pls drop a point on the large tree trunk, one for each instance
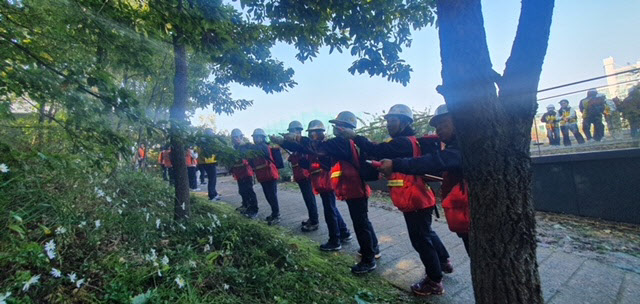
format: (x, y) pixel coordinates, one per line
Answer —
(178, 122)
(494, 134)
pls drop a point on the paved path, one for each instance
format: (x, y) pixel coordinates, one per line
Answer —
(566, 277)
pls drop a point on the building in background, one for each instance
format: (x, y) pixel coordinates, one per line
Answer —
(619, 85)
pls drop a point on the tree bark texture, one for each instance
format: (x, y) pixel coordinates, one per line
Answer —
(494, 133)
(177, 116)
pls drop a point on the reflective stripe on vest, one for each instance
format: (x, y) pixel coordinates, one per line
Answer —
(395, 183)
(336, 174)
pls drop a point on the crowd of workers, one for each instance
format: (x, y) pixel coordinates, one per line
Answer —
(338, 168)
(593, 108)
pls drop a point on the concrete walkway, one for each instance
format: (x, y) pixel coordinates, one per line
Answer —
(566, 277)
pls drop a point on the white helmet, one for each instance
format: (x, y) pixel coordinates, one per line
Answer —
(441, 110)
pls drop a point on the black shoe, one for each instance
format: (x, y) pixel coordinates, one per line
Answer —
(309, 227)
(377, 253)
(330, 246)
(346, 238)
(273, 219)
(305, 222)
(364, 267)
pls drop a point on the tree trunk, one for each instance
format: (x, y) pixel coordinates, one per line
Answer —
(494, 134)
(178, 122)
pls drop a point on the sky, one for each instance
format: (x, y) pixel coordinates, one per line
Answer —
(583, 33)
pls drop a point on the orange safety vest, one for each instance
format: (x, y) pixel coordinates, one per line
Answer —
(166, 158)
(320, 178)
(457, 209)
(265, 170)
(299, 173)
(191, 161)
(241, 170)
(346, 180)
(410, 192)
(141, 152)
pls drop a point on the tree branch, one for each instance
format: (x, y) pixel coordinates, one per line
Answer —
(522, 70)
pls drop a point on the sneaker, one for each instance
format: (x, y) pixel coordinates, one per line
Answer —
(347, 238)
(273, 219)
(364, 267)
(251, 215)
(377, 255)
(305, 222)
(309, 227)
(447, 267)
(427, 287)
(203, 183)
(217, 197)
(330, 246)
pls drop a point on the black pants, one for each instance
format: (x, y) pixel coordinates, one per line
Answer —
(465, 240)
(249, 199)
(309, 200)
(426, 242)
(270, 190)
(203, 172)
(165, 172)
(598, 126)
(335, 224)
(566, 139)
(210, 170)
(358, 210)
(172, 176)
(193, 182)
(634, 127)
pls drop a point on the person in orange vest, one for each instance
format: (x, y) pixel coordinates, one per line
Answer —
(161, 156)
(208, 165)
(166, 161)
(348, 185)
(192, 163)
(319, 168)
(141, 156)
(411, 195)
(243, 174)
(266, 173)
(302, 176)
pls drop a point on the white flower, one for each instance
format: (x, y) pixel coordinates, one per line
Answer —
(182, 226)
(105, 180)
(109, 200)
(165, 260)
(4, 168)
(157, 223)
(153, 256)
(147, 216)
(226, 286)
(183, 207)
(32, 281)
(224, 216)
(79, 283)
(56, 273)
(99, 192)
(4, 297)
(180, 281)
(210, 240)
(61, 230)
(72, 277)
(161, 203)
(50, 248)
(159, 273)
(192, 263)
(82, 224)
(98, 224)
(119, 211)
(206, 247)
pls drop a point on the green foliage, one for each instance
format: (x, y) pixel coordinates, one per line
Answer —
(374, 126)
(220, 256)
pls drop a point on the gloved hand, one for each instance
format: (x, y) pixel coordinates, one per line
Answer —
(387, 167)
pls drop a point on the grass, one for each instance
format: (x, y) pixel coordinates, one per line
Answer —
(116, 233)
